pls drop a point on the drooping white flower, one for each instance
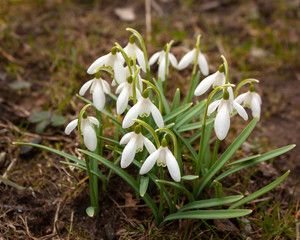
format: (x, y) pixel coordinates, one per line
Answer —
(190, 58)
(163, 157)
(135, 142)
(143, 108)
(216, 79)
(160, 57)
(132, 50)
(225, 109)
(98, 88)
(88, 132)
(252, 100)
(126, 93)
(114, 60)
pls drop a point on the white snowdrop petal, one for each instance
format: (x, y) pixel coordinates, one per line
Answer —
(125, 139)
(138, 94)
(212, 107)
(71, 126)
(241, 98)
(241, 111)
(94, 121)
(128, 153)
(89, 137)
(120, 73)
(149, 145)
(85, 87)
(173, 60)
(186, 60)
(256, 95)
(222, 122)
(141, 59)
(96, 64)
(98, 97)
(131, 114)
(162, 70)
(106, 87)
(122, 101)
(156, 116)
(203, 65)
(154, 58)
(255, 107)
(120, 87)
(173, 166)
(149, 162)
(204, 85)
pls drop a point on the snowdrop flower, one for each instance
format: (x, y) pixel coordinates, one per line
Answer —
(88, 132)
(163, 157)
(252, 100)
(215, 80)
(133, 50)
(112, 59)
(125, 91)
(143, 108)
(135, 141)
(98, 88)
(128, 74)
(190, 58)
(160, 57)
(225, 110)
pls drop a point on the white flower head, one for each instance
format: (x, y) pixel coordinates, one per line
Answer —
(134, 143)
(165, 158)
(126, 93)
(225, 110)
(190, 57)
(98, 87)
(114, 60)
(160, 57)
(216, 79)
(88, 132)
(143, 108)
(132, 50)
(252, 100)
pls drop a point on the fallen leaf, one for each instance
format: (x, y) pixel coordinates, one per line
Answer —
(125, 14)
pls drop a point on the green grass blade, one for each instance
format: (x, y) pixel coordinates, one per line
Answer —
(208, 214)
(130, 180)
(74, 165)
(176, 100)
(112, 141)
(261, 191)
(257, 159)
(192, 126)
(177, 112)
(144, 182)
(177, 186)
(60, 153)
(194, 83)
(10, 183)
(163, 98)
(214, 202)
(246, 159)
(185, 142)
(226, 155)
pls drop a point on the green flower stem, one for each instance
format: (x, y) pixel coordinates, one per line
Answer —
(174, 139)
(134, 84)
(189, 96)
(156, 91)
(226, 69)
(150, 129)
(242, 83)
(161, 198)
(167, 65)
(215, 152)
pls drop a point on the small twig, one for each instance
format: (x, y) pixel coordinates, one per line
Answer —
(71, 224)
(148, 20)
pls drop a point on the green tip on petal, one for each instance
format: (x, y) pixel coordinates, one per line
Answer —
(164, 142)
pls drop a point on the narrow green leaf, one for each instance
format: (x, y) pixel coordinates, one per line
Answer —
(130, 180)
(185, 142)
(109, 140)
(192, 126)
(218, 189)
(176, 100)
(189, 177)
(226, 155)
(60, 153)
(144, 182)
(214, 202)
(176, 112)
(193, 87)
(257, 159)
(261, 191)
(208, 214)
(74, 165)
(242, 160)
(163, 98)
(11, 183)
(178, 186)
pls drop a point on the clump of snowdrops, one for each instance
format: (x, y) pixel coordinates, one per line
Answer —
(172, 143)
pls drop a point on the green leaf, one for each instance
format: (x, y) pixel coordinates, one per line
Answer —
(144, 182)
(130, 180)
(74, 165)
(60, 153)
(177, 112)
(208, 214)
(226, 155)
(257, 159)
(90, 211)
(178, 186)
(40, 116)
(214, 202)
(117, 143)
(192, 126)
(242, 160)
(176, 100)
(58, 120)
(261, 191)
(185, 142)
(11, 183)
(40, 127)
(189, 177)
(163, 98)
